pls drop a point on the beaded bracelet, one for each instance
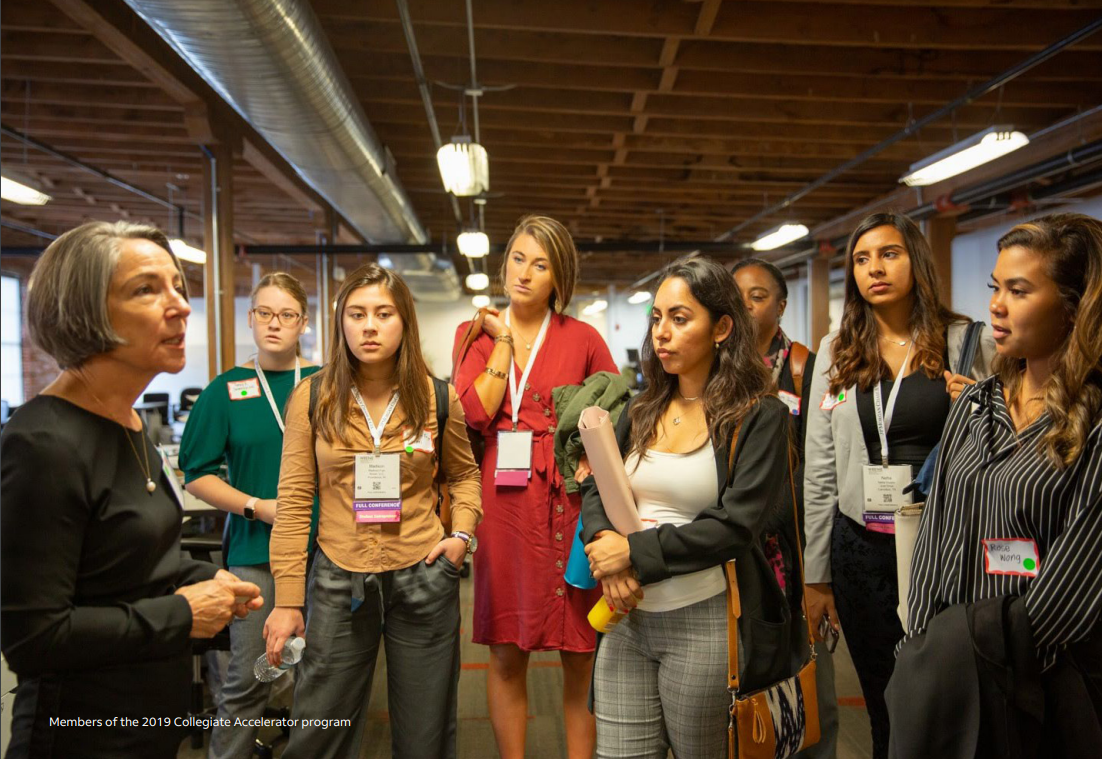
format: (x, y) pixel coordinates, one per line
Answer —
(504, 339)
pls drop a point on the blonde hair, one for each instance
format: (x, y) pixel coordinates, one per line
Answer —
(67, 314)
(1070, 244)
(556, 242)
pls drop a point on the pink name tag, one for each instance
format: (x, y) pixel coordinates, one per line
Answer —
(377, 512)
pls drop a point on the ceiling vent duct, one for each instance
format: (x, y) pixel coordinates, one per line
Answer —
(272, 62)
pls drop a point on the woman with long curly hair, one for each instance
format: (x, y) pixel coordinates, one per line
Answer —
(1015, 512)
(660, 679)
(880, 396)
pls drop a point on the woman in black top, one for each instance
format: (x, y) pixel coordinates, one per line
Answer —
(98, 605)
(1015, 509)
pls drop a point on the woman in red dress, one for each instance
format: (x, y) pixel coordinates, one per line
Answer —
(522, 604)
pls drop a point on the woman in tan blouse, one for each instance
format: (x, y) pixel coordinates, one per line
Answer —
(364, 431)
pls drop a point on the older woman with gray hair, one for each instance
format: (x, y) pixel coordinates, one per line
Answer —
(97, 605)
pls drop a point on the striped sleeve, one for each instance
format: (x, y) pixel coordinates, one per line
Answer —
(1064, 601)
(923, 600)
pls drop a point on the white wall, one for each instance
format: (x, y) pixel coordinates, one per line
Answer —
(974, 257)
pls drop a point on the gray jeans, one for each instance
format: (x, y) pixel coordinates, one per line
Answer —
(416, 611)
(242, 694)
(827, 747)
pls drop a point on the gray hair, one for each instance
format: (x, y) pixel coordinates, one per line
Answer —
(67, 312)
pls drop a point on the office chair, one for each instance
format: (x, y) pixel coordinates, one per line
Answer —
(188, 396)
(159, 398)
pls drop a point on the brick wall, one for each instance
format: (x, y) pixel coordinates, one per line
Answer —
(39, 369)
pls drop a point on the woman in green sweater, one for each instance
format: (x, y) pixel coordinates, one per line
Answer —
(238, 421)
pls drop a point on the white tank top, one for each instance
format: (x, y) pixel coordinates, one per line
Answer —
(672, 488)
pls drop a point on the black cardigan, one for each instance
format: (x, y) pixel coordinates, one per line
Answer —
(731, 529)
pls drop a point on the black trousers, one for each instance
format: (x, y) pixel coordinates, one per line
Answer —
(866, 592)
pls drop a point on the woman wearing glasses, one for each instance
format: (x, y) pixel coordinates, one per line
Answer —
(238, 421)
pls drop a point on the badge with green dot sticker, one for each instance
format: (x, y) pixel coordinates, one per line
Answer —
(1011, 556)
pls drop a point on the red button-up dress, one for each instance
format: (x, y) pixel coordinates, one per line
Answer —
(525, 535)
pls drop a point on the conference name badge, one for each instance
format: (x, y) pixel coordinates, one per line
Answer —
(422, 444)
(377, 497)
(791, 400)
(1011, 556)
(831, 400)
(514, 459)
(242, 390)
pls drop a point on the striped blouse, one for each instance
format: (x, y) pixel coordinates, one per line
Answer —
(992, 483)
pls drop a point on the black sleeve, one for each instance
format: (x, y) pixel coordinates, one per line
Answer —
(193, 571)
(45, 510)
(594, 519)
(729, 528)
(805, 404)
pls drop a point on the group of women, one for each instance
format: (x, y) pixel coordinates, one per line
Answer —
(334, 476)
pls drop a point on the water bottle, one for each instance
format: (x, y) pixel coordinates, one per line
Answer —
(292, 655)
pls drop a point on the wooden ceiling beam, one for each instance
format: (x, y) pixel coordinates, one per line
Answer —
(95, 95)
(101, 73)
(351, 39)
(757, 21)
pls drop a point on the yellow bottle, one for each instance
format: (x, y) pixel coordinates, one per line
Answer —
(603, 617)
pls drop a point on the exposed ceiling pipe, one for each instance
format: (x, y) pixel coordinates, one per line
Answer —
(27, 231)
(974, 94)
(426, 93)
(271, 61)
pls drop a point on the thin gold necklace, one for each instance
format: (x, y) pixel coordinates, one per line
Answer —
(150, 485)
(677, 419)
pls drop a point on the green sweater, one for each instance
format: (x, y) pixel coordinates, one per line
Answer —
(243, 434)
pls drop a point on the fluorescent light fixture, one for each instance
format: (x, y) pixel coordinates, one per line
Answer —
(185, 252)
(17, 192)
(385, 261)
(967, 154)
(473, 244)
(480, 301)
(595, 307)
(642, 296)
(478, 281)
(782, 235)
(464, 167)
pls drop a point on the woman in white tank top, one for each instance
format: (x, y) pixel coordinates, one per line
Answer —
(660, 678)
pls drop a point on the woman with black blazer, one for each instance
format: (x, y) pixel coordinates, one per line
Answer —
(660, 678)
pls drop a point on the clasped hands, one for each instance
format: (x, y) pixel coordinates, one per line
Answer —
(610, 562)
(214, 602)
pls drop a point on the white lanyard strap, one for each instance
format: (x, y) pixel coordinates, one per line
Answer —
(376, 432)
(515, 396)
(268, 390)
(884, 415)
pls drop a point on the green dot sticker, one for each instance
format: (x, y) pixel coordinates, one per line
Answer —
(409, 449)
(1029, 564)
(841, 396)
(244, 393)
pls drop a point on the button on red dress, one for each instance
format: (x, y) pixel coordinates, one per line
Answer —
(525, 535)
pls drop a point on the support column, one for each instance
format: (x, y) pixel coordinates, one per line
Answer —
(219, 244)
(940, 231)
(818, 293)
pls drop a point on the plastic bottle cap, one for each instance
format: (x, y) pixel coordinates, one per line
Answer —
(297, 644)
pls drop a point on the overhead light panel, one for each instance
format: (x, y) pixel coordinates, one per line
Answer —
(185, 252)
(478, 281)
(473, 244)
(595, 307)
(967, 154)
(642, 296)
(480, 301)
(17, 192)
(464, 167)
(782, 235)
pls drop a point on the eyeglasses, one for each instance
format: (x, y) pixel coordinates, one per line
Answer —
(286, 318)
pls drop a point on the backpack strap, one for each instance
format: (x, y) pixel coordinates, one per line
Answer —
(797, 359)
(969, 347)
(443, 407)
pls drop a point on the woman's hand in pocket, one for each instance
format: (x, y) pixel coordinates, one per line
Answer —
(453, 549)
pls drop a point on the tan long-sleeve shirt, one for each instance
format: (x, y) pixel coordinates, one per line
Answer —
(365, 547)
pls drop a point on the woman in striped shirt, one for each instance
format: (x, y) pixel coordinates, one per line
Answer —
(1016, 504)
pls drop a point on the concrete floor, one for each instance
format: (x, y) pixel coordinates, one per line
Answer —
(545, 730)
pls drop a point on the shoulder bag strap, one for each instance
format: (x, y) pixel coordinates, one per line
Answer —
(734, 608)
(474, 329)
(968, 347)
(440, 387)
(797, 358)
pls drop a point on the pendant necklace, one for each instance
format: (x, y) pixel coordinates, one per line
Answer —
(893, 340)
(150, 485)
(677, 419)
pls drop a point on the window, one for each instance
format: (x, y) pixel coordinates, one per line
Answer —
(11, 342)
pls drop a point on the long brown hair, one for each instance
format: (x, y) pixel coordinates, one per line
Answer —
(857, 359)
(1071, 246)
(559, 246)
(289, 284)
(738, 377)
(335, 391)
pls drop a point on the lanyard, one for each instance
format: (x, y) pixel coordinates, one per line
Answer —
(515, 397)
(268, 390)
(884, 415)
(376, 432)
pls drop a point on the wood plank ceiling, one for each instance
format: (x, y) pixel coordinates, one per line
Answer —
(625, 118)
